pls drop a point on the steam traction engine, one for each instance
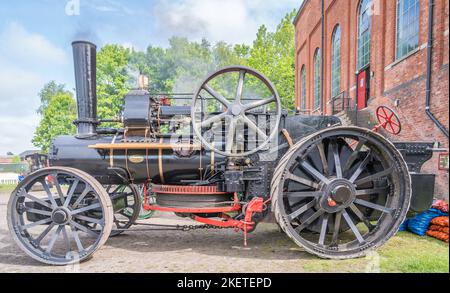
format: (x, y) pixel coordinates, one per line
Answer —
(227, 160)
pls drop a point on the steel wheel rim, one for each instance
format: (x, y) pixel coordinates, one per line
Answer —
(197, 127)
(322, 243)
(77, 247)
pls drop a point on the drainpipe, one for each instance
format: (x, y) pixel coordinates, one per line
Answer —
(429, 69)
(322, 59)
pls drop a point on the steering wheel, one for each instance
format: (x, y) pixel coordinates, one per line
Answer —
(237, 109)
(389, 120)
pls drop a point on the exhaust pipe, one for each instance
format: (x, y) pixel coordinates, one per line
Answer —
(85, 61)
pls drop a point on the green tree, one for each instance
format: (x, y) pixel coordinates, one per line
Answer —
(56, 120)
(49, 90)
(273, 53)
(112, 80)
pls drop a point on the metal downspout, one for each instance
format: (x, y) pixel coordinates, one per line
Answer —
(429, 69)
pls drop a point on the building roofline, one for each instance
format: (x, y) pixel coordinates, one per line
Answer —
(299, 12)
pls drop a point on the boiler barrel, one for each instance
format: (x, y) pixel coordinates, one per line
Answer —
(160, 166)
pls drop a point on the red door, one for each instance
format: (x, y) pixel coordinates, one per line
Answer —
(362, 90)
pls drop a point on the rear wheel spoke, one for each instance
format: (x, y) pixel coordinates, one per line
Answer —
(34, 224)
(85, 209)
(374, 206)
(337, 227)
(304, 194)
(302, 209)
(71, 192)
(84, 229)
(337, 160)
(374, 176)
(49, 193)
(323, 158)
(313, 171)
(361, 168)
(354, 154)
(360, 216)
(303, 181)
(352, 227)
(44, 233)
(323, 229)
(309, 221)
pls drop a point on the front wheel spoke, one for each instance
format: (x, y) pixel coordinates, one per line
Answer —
(254, 105)
(74, 233)
(304, 194)
(90, 219)
(361, 168)
(58, 187)
(309, 221)
(323, 229)
(374, 176)
(71, 192)
(84, 229)
(88, 208)
(254, 127)
(41, 222)
(303, 181)
(49, 193)
(39, 212)
(374, 206)
(302, 209)
(44, 233)
(212, 120)
(361, 216)
(37, 200)
(313, 171)
(66, 239)
(53, 239)
(337, 227)
(353, 227)
(337, 160)
(217, 96)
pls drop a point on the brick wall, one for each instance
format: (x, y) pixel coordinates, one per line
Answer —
(392, 82)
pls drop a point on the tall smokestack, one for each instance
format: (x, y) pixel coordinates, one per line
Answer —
(84, 55)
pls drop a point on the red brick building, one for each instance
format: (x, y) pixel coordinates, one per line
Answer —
(369, 53)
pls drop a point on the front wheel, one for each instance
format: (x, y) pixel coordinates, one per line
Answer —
(54, 224)
(341, 192)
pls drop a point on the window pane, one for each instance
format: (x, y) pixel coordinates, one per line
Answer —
(317, 86)
(303, 88)
(336, 63)
(364, 23)
(408, 12)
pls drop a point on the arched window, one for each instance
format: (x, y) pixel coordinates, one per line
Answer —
(408, 12)
(364, 26)
(336, 62)
(317, 84)
(303, 88)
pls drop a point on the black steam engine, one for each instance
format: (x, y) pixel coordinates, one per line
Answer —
(226, 160)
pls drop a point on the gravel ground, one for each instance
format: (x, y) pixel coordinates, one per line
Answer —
(268, 250)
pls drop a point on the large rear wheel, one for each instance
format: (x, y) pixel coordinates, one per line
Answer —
(341, 192)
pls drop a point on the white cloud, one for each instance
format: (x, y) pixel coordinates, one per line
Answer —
(234, 21)
(18, 44)
(26, 60)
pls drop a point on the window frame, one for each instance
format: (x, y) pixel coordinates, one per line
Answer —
(398, 27)
(336, 56)
(317, 79)
(303, 90)
(366, 5)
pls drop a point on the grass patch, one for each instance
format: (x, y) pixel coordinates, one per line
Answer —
(7, 187)
(408, 253)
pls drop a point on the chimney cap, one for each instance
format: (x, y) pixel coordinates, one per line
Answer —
(84, 42)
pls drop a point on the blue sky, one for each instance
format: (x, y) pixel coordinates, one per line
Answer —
(36, 36)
